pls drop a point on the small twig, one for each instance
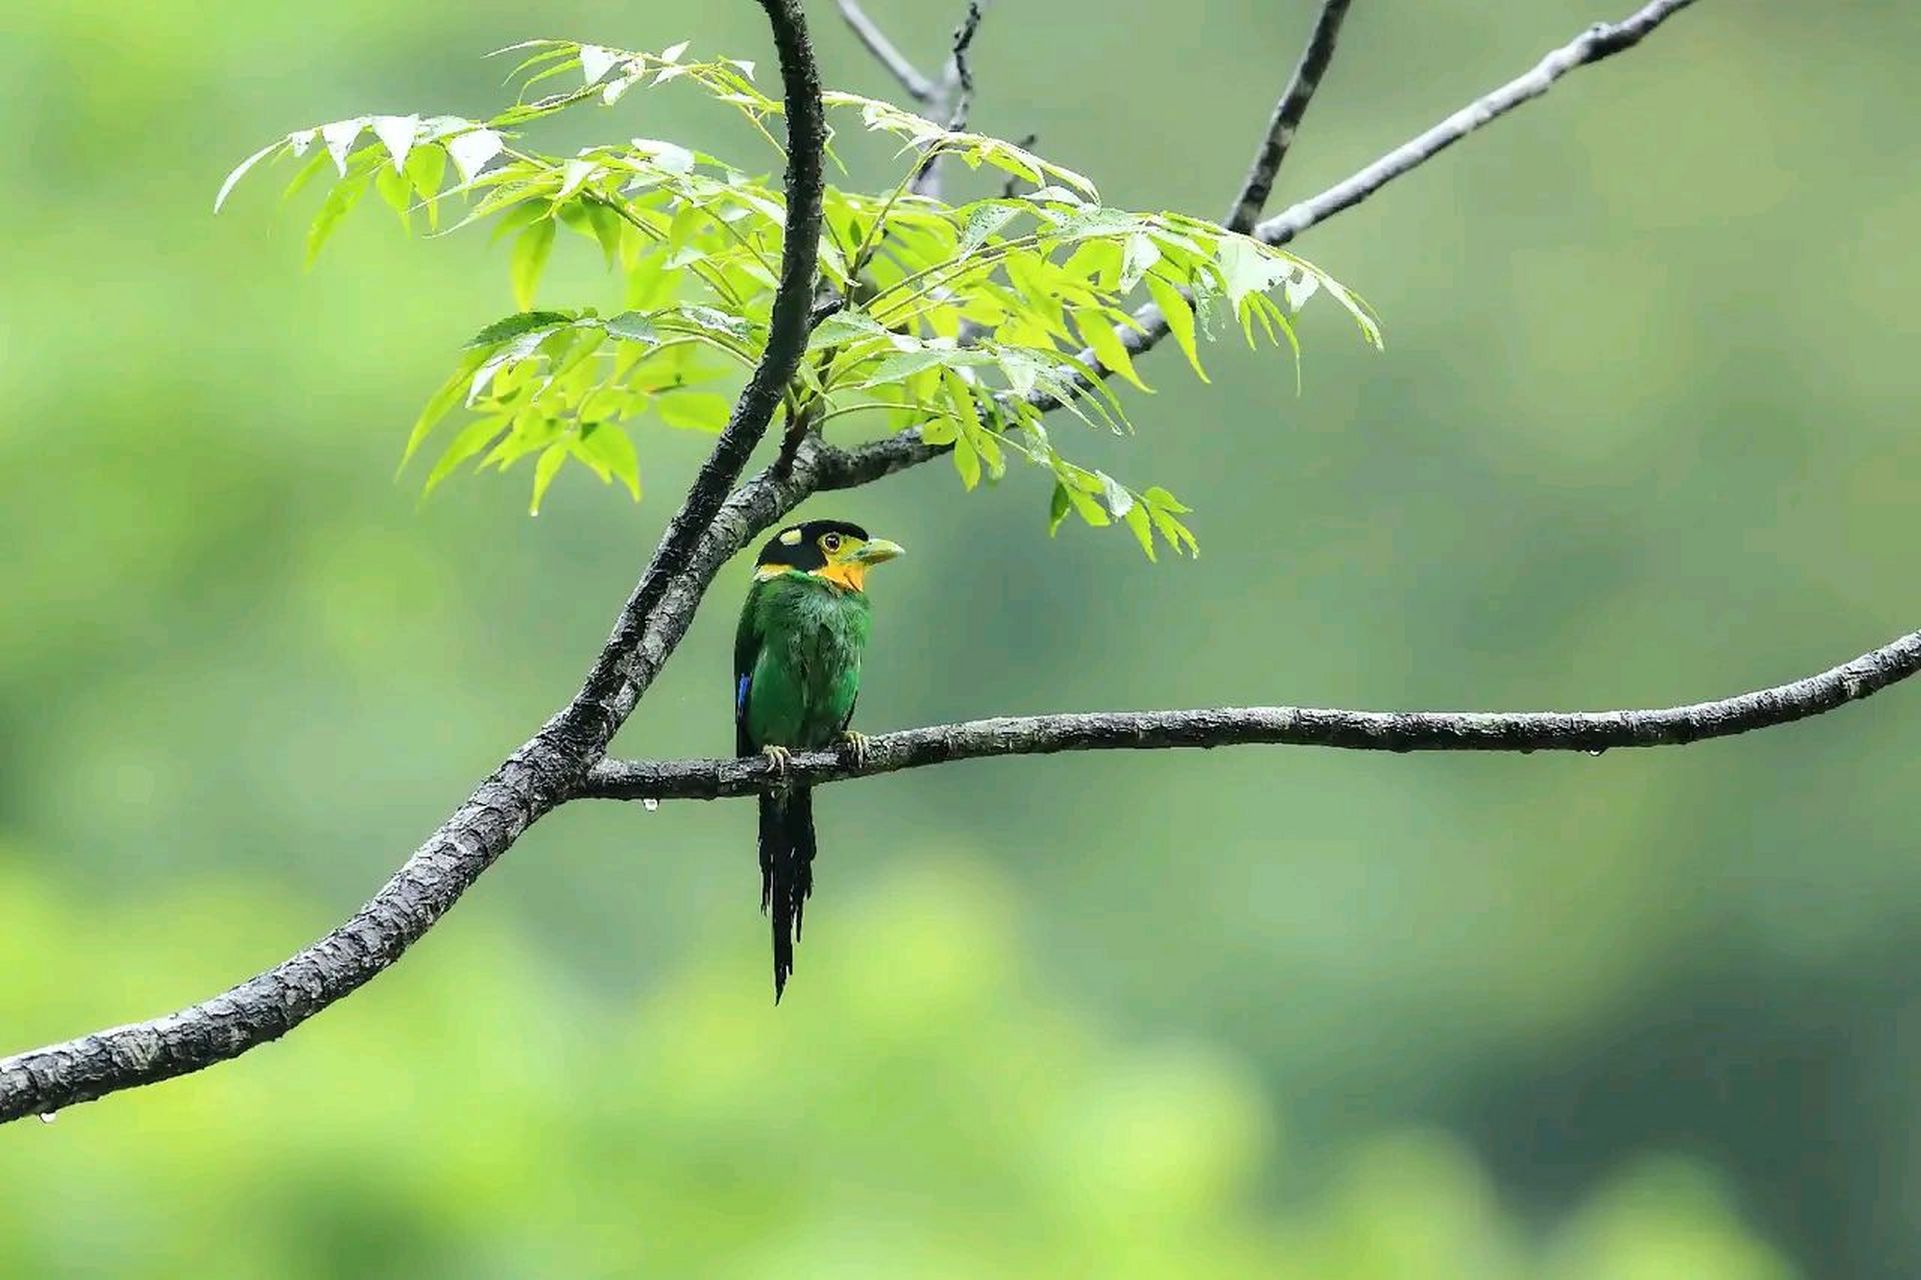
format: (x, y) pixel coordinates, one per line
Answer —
(1288, 114)
(918, 86)
(956, 95)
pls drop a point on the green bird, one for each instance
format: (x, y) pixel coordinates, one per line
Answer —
(796, 678)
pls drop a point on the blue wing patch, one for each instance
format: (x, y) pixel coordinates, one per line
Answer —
(740, 694)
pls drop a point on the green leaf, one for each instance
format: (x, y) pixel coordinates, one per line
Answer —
(1246, 267)
(397, 192)
(844, 327)
(544, 472)
(1087, 508)
(712, 320)
(1174, 532)
(1137, 259)
(472, 440)
(694, 410)
(967, 461)
(1098, 332)
(1136, 518)
(1180, 319)
(941, 430)
(530, 210)
(1161, 499)
(986, 220)
(452, 392)
(577, 174)
(514, 325)
(905, 364)
(529, 259)
(338, 204)
(305, 174)
(426, 168)
(1118, 499)
(633, 326)
(608, 230)
(610, 446)
(1058, 508)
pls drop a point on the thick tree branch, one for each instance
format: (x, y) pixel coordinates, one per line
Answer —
(919, 87)
(1288, 114)
(1399, 731)
(709, 527)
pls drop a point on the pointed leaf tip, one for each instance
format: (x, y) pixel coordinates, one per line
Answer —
(339, 138)
(397, 134)
(596, 62)
(240, 171)
(471, 151)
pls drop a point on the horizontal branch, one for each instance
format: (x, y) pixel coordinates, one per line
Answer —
(1399, 731)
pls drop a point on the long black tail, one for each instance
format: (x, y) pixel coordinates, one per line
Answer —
(786, 871)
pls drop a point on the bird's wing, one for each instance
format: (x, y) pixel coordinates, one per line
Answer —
(747, 642)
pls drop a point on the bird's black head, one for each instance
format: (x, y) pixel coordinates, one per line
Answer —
(832, 549)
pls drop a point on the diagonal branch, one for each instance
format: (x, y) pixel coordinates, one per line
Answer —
(545, 771)
(919, 87)
(1600, 41)
(1288, 114)
(1399, 731)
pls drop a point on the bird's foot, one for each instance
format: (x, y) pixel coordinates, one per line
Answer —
(779, 756)
(857, 743)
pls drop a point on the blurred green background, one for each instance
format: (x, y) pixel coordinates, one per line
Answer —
(1642, 434)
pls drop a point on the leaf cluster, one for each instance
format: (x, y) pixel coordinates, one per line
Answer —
(964, 322)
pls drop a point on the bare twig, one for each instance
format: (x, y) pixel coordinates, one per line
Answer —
(956, 96)
(1400, 731)
(1600, 41)
(543, 772)
(1288, 114)
(918, 86)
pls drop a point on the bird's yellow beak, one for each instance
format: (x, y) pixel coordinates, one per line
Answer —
(876, 550)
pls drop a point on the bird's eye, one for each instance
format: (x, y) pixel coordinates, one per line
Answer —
(830, 543)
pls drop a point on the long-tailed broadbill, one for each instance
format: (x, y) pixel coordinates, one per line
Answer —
(796, 679)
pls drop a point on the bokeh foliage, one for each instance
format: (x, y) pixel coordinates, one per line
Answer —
(1030, 1141)
(1643, 434)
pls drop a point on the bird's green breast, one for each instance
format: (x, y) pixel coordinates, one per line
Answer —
(805, 675)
